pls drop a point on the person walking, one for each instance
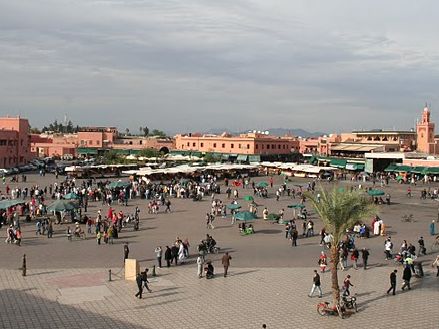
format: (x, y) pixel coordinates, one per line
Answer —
(158, 254)
(174, 253)
(432, 228)
(341, 259)
(422, 249)
(168, 256)
(346, 285)
(126, 251)
(226, 262)
(294, 236)
(316, 285)
(365, 256)
(406, 276)
(392, 282)
(139, 282)
(354, 258)
(200, 267)
(436, 263)
(145, 279)
(388, 246)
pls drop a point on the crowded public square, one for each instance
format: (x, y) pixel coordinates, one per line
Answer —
(74, 259)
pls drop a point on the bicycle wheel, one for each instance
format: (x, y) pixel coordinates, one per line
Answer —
(321, 309)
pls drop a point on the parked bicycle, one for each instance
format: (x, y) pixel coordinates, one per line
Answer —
(324, 309)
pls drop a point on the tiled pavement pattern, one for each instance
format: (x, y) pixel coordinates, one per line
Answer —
(249, 297)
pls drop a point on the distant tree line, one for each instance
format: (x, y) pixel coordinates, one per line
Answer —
(57, 127)
(69, 128)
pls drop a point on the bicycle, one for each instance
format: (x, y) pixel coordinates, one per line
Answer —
(324, 309)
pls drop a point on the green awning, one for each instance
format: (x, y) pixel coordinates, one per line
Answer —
(87, 151)
(403, 169)
(390, 168)
(432, 170)
(242, 157)
(338, 163)
(313, 160)
(254, 158)
(419, 170)
(225, 157)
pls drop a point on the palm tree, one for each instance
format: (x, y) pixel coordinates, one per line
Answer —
(340, 210)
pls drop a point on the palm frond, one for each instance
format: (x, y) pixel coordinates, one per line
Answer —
(340, 210)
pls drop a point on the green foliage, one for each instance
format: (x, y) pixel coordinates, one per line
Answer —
(61, 128)
(149, 153)
(340, 210)
(112, 157)
(158, 133)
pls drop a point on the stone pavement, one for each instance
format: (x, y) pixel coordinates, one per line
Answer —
(249, 297)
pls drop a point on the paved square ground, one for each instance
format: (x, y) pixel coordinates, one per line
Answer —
(269, 280)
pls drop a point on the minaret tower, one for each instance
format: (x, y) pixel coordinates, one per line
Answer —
(425, 133)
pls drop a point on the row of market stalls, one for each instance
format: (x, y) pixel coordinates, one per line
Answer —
(286, 168)
(339, 163)
(403, 172)
(192, 171)
(97, 171)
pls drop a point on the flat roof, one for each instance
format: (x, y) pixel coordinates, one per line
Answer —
(387, 132)
(355, 147)
(385, 155)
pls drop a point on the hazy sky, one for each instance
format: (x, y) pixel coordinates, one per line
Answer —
(190, 65)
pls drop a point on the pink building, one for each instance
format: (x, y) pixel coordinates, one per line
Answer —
(14, 142)
(97, 137)
(55, 145)
(249, 144)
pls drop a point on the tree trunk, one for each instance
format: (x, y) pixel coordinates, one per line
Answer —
(334, 277)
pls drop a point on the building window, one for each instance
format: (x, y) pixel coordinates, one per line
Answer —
(193, 144)
(279, 147)
(131, 143)
(214, 144)
(140, 142)
(232, 146)
(188, 144)
(223, 145)
(97, 142)
(90, 142)
(248, 146)
(268, 146)
(239, 146)
(201, 144)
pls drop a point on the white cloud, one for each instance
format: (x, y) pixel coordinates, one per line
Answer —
(316, 65)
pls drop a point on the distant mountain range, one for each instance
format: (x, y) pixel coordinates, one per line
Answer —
(272, 131)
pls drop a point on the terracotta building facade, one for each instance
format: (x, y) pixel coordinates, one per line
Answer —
(247, 144)
(14, 142)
